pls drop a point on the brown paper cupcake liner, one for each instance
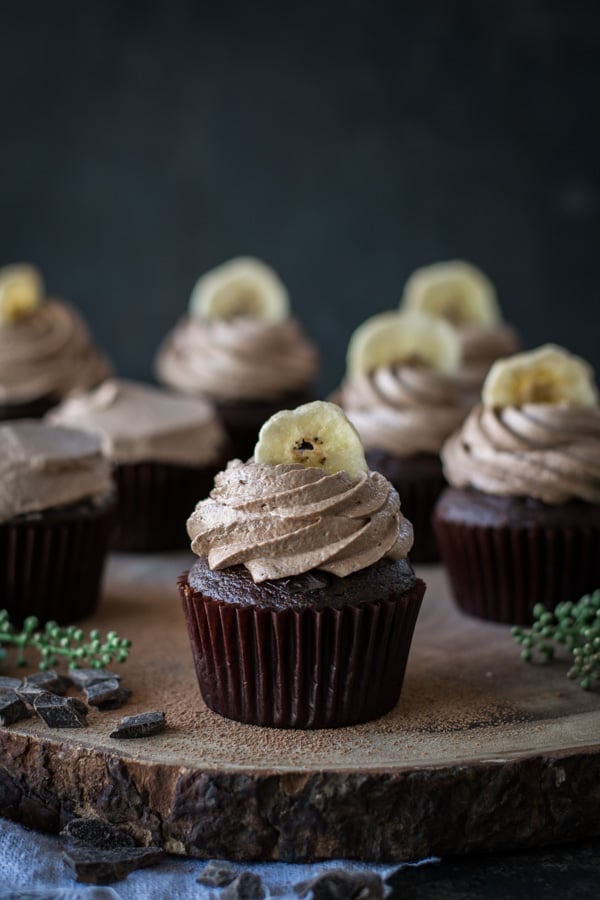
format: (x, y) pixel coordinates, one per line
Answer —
(155, 501)
(51, 566)
(500, 573)
(419, 480)
(301, 668)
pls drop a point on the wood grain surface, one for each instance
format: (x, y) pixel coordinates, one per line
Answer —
(482, 752)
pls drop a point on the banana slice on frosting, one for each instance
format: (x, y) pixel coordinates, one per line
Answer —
(316, 435)
(403, 338)
(21, 292)
(456, 291)
(242, 287)
(546, 375)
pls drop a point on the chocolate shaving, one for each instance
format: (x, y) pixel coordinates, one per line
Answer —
(107, 694)
(29, 693)
(48, 681)
(60, 712)
(94, 866)
(99, 853)
(12, 708)
(95, 833)
(83, 678)
(142, 725)
(9, 684)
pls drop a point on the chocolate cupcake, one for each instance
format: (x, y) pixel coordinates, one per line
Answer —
(463, 295)
(45, 348)
(302, 604)
(239, 346)
(164, 448)
(57, 512)
(520, 523)
(404, 394)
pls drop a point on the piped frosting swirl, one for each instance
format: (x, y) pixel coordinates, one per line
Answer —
(238, 359)
(49, 352)
(404, 410)
(285, 520)
(550, 452)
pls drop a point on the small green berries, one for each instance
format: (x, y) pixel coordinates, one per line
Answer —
(576, 626)
(54, 642)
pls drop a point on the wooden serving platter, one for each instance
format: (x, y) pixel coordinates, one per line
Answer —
(483, 752)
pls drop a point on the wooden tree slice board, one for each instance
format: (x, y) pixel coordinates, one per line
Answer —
(483, 752)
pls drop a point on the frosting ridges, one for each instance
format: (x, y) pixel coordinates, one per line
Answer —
(285, 520)
(550, 452)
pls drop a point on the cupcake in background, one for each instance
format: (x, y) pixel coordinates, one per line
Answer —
(57, 513)
(164, 449)
(239, 346)
(463, 295)
(520, 523)
(45, 348)
(404, 394)
(302, 604)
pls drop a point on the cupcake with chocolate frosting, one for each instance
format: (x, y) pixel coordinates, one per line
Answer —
(45, 348)
(163, 448)
(404, 393)
(520, 522)
(240, 347)
(302, 604)
(57, 512)
(463, 295)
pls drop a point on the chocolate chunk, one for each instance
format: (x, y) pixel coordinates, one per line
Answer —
(140, 726)
(98, 833)
(60, 712)
(79, 705)
(107, 694)
(83, 678)
(28, 694)
(216, 873)
(94, 866)
(246, 886)
(9, 684)
(48, 681)
(12, 708)
(336, 884)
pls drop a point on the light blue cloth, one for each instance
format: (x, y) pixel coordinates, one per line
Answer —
(32, 862)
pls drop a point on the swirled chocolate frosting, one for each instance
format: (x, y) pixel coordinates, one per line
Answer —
(550, 452)
(404, 410)
(238, 359)
(286, 520)
(48, 353)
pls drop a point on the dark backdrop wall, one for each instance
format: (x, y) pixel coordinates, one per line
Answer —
(345, 143)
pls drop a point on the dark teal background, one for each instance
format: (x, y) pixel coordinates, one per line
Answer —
(346, 143)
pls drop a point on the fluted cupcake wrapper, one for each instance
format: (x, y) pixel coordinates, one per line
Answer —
(301, 669)
(155, 501)
(500, 573)
(51, 567)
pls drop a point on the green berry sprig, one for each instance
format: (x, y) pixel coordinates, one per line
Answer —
(54, 642)
(577, 626)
